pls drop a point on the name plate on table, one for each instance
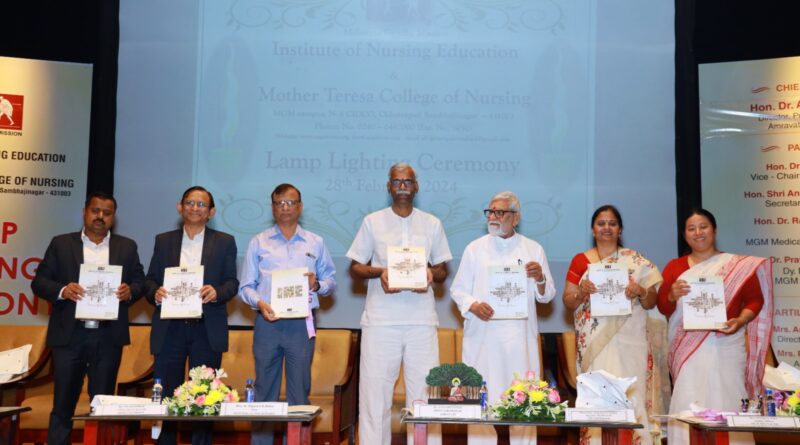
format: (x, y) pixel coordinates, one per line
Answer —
(448, 411)
(138, 409)
(763, 422)
(254, 409)
(599, 415)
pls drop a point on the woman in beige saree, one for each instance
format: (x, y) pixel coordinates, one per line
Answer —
(626, 345)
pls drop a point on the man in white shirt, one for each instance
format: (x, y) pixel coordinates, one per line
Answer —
(398, 325)
(498, 348)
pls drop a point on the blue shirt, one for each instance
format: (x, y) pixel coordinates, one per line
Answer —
(269, 251)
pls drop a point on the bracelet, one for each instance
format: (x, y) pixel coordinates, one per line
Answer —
(544, 280)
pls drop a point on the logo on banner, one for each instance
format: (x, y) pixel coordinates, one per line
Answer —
(11, 106)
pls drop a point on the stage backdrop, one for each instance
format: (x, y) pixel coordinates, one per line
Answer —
(750, 148)
(569, 104)
(44, 147)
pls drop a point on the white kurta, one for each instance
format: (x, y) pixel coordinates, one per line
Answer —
(397, 328)
(499, 348)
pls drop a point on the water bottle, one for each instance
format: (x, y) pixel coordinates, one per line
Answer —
(484, 395)
(770, 403)
(249, 391)
(158, 391)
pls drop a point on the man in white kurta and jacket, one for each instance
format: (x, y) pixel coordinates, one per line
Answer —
(499, 348)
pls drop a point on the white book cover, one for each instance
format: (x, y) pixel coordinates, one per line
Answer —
(289, 293)
(408, 268)
(183, 298)
(100, 284)
(610, 281)
(704, 306)
(508, 292)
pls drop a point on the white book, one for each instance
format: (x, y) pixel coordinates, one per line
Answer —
(289, 293)
(508, 292)
(704, 306)
(183, 298)
(408, 268)
(100, 284)
(610, 281)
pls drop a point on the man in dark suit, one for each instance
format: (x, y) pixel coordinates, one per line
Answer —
(201, 340)
(82, 347)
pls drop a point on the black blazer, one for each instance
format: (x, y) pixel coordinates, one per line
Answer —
(219, 263)
(62, 265)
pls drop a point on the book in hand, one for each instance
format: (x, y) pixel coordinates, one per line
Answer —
(100, 284)
(704, 306)
(508, 292)
(183, 298)
(610, 281)
(289, 296)
(408, 268)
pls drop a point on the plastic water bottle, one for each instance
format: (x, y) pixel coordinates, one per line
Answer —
(158, 391)
(770, 403)
(484, 395)
(249, 391)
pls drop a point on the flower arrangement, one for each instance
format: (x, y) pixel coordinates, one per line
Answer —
(202, 394)
(530, 399)
(793, 401)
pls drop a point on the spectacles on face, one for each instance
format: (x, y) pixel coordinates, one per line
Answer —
(406, 182)
(198, 204)
(286, 202)
(497, 213)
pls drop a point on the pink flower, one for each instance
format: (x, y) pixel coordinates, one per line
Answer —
(554, 397)
(199, 400)
(215, 383)
(178, 391)
(515, 382)
(519, 396)
(530, 375)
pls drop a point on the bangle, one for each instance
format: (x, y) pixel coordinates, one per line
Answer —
(544, 280)
(317, 286)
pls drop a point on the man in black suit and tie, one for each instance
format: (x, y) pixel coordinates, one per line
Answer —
(82, 347)
(201, 340)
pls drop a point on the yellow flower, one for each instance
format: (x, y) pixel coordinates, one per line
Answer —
(517, 387)
(542, 384)
(213, 398)
(536, 396)
(198, 389)
(793, 400)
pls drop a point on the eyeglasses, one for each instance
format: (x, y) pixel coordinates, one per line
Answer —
(497, 213)
(198, 204)
(286, 202)
(406, 182)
